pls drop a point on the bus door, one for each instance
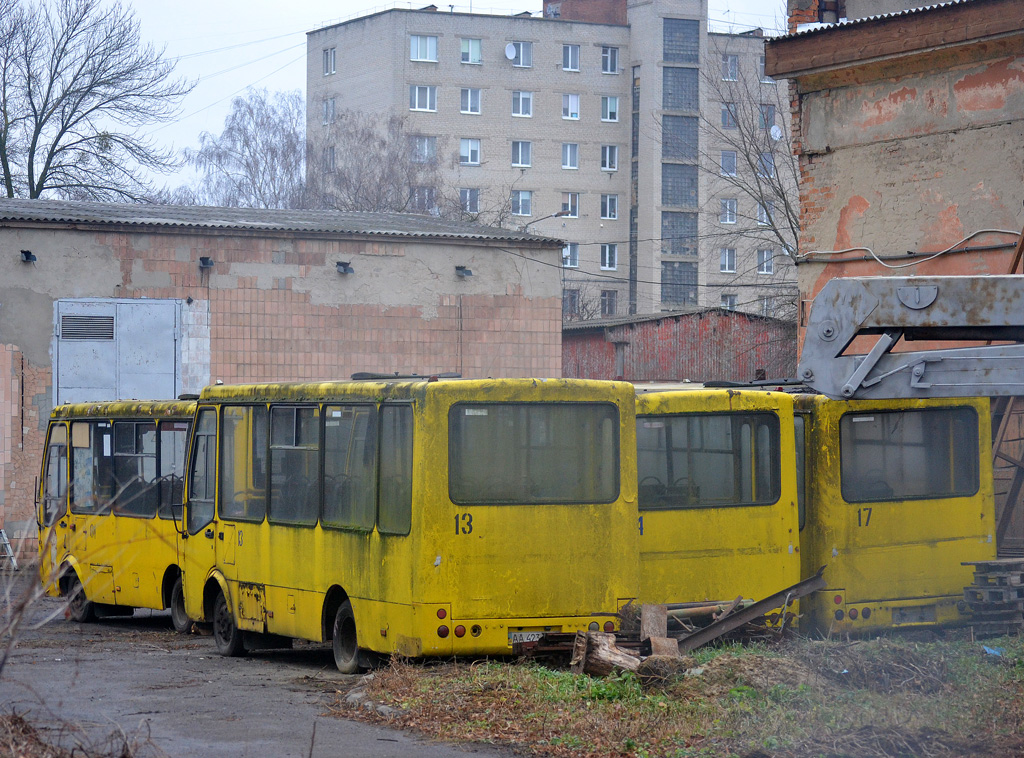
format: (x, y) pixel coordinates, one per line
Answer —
(142, 552)
(92, 538)
(198, 546)
(241, 535)
(52, 511)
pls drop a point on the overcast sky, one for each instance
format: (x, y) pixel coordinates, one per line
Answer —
(230, 45)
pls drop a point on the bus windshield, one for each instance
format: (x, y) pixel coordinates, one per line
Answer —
(531, 453)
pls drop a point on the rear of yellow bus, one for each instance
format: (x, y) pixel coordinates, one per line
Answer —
(899, 495)
(717, 495)
(525, 517)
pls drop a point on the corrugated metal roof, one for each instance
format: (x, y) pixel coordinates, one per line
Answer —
(199, 217)
(607, 323)
(819, 28)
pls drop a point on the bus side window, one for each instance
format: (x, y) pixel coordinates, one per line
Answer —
(294, 465)
(173, 443)
(203, 473)
(394, 514)
(56, 473)
(136, 492)
(350, 466)
(243, 454)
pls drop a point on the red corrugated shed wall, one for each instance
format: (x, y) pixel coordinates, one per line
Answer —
(699, 347)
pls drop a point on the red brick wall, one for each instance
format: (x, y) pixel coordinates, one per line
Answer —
(593, 11)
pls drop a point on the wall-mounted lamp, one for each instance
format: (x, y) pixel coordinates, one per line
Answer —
(463, 271)
(345, 267)
(205, 261)
(27, 256)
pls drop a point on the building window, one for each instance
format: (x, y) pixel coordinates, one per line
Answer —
(422, 97)
(422, 48)
(680, 89)
(522, 103)
(609, 157)
(570, 155)
(329, 159)
(470, 100)
(329, 110)
(766, 306)
(728, 115)
(330, 60)
(571, 255)
(766, 165)
(609, 109)
(679, 137)
(767, 116)
(761, 74)
(524, 54)
(609, 60)
(728, 302)
(571, 204)
(730, 67)
(678, 283)
(521, 153)
(470, 200)
(678, 233)
(570, 57)
(422, 200)
(471, 51)
(469, 152)
(727, 210)
(728, 163)
(765, 211)
(522, 202)
(681, 40)
(422, 149)
(765, 262)
(609, 256)
(609, 206)
(571, 106)
(608, 298)
(679, 184)
(727, 260)
(570, 303)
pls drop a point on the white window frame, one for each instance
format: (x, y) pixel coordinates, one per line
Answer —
(521, 198)
(761, 75)
(730, 67)
(571, 204)
(423, 148)
(728, 210)
(469, 151)
(610, 206)
(570, 155)
(467, 51)
(469, 199)
(729, 116)
(727, 260)
(329, 110)
(466, 100)
(429, 91)
(609, 296)
(766, 262)
(571, 255)
(423, 47)
(330, 60)
(330, 163)
(767, 109)
(522, 98)
(570, 53)
(609, 59)
(423, 199)
(728, 302)
(765, 213)
(722, 169)
(524, 54)
(609, 109)
(570, 107)
(609, 256)
(609, 157)
(766, 165)
(766, 305)
(519, 160)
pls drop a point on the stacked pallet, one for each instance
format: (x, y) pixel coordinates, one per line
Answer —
(996, 599)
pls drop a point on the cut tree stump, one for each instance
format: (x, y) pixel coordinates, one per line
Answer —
(598, 655)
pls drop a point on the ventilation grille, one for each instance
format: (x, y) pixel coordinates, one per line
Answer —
(87, 327)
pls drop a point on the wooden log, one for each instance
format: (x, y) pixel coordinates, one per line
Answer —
(667, 646)
(603, 657)
(653, 621)
(579, 653)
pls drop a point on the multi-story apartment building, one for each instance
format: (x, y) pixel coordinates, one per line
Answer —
(584, 125)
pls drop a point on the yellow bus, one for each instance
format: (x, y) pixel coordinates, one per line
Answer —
(420, 517)
(716, 493)
(897, 494)
(109, 501)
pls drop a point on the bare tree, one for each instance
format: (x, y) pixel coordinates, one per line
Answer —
(77, 84)
(258, 161)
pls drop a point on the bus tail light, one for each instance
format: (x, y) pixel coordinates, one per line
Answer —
(853, 614)
(866, 614)
(838, 600)
(839, 615)
(609, 626)
(460, 631)
(476, 631)
(442, 631)
(593, 626)
(441, 613)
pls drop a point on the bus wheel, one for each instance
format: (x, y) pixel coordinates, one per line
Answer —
(226, 635)
(80, 608)
(346, 651)
(182, 623)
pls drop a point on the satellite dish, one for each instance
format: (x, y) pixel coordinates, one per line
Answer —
(776, 132)
(510, 51)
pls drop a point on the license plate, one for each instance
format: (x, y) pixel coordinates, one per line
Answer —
(514, 637)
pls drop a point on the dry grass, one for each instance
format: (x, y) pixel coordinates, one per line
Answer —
(798, 699)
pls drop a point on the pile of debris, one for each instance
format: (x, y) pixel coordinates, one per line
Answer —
(996, 598)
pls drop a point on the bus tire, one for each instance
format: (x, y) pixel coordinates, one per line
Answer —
(226, 635)
(346, 651)
(80, 608)
(179, 619)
